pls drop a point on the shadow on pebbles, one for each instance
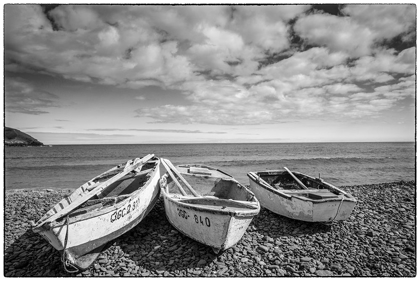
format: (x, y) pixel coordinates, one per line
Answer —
(377, 240)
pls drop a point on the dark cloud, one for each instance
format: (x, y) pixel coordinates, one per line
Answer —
(46, 8)
(234, 63)
(331, 9)
(209, 75)
(274, 58)
(400, 42)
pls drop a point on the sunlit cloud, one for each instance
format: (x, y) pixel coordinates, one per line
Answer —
(339, 34)
(384, 21)
(236, 65)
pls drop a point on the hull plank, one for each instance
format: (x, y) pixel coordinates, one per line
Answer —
(204, 227)
(81, 249)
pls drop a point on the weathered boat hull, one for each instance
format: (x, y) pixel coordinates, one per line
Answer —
(305, 209)
(217, 229)
(80, 234)
(216, 210)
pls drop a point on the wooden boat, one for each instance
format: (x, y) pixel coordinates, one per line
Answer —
(207, 204)
(301, 197)
(100, 210)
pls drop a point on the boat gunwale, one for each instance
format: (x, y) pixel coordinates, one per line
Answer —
(203, 166)
(246, 204)
(231, 179)
(345, 196)
(87, 187)
(247, 212)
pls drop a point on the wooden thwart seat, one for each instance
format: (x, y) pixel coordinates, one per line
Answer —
(294, 191)
(312, 193)
(86, 209)
(197, 170)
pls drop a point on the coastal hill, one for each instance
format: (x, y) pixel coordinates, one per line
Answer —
(14, 137)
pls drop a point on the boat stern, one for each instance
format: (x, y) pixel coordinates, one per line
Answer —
(333, 210)
(236, 230)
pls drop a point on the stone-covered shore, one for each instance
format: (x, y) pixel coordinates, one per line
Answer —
(377, 240)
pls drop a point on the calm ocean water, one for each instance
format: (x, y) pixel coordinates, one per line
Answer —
(69, 166)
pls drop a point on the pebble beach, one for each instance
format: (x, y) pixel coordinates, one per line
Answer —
(378, 240)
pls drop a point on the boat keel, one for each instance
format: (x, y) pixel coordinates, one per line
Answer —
(216, 250)
(77, 264)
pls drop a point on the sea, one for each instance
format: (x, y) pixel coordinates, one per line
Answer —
(341, 164)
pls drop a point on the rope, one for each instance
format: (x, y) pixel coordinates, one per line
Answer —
(338, 210)
(64, 260)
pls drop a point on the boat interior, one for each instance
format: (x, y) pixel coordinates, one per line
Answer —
(215, 203)
(223, 188)
(287, 184)
(117, 191)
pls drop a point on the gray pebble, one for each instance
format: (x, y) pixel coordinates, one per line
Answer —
(268, 248)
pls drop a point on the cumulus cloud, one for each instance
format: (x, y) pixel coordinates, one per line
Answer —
(341, 89)
(23, 19)
(405, 88)
(234, 64)
(72, 18)
(205, 115)
(384, 21)
(336, 33)
(381, 98)
(379, 66)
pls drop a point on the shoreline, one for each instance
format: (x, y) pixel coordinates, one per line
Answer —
(67, 189)
(377, 240)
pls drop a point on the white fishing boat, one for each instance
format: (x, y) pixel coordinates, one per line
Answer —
(100, 210)
(207, 204)
(301, 197)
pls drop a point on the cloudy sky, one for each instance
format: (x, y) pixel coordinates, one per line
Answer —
(96, 74)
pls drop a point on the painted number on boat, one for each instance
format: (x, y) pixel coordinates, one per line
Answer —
(199, 220)
(122, 212)
(182, 213)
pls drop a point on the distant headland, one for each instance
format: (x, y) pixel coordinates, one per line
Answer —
(14, 137)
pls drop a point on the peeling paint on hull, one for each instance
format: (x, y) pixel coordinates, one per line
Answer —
(215, 229)
(218, 220)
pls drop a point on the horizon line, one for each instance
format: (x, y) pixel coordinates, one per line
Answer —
(297, 142)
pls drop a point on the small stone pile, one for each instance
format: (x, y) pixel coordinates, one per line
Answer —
(377, 240)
